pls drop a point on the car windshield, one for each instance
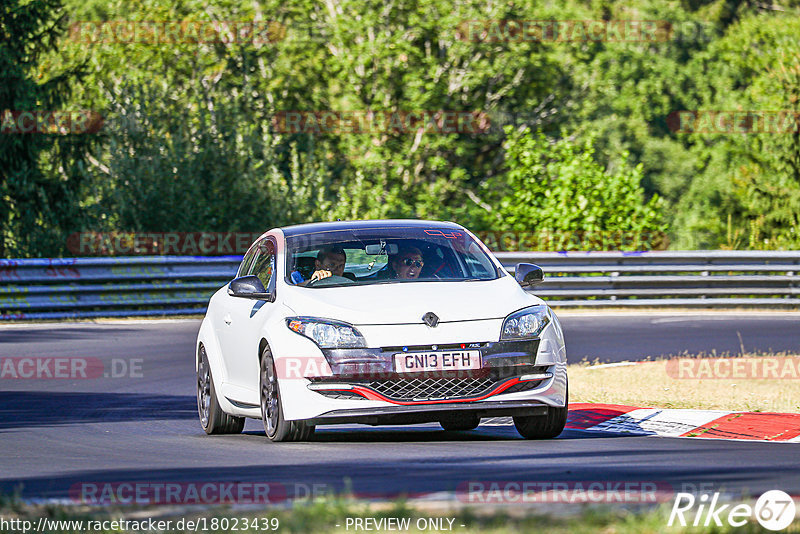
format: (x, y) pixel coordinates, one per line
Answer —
(363, 256)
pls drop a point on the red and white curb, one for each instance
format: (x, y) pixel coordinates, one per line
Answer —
(708, 424)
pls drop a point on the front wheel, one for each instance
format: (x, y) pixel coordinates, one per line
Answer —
(275, 426)
(212, 418)
(544, 426)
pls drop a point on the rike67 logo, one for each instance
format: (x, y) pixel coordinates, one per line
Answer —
(774, 510)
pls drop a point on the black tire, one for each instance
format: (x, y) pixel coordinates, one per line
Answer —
(544, 426)
(212, 418)
(460, 422)
(275, 426)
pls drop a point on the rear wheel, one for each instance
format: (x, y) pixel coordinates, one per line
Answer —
(275, 426)
(212, 418)
(544, 426)
(460, 422)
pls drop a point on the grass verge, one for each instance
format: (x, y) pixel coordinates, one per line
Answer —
(331, 515)
(697, 385)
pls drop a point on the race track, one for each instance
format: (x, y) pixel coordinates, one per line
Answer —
(56, 434)
(614, 337)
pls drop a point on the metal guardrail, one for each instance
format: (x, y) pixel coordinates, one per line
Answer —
(110, 287)
(699, 278)
(181, 285)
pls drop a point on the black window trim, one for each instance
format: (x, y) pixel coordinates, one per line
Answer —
(254, 248)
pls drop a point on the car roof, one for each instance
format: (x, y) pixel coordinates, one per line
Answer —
(312, 228)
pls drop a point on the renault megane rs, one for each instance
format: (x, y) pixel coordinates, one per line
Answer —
(379, 322)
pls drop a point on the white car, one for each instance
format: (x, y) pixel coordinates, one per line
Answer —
(379, 322)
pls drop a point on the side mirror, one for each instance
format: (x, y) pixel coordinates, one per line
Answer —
(249, 287)
(528, 274)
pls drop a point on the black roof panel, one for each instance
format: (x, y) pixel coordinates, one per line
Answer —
(313, 228)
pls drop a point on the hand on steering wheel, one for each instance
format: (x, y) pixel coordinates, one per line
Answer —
(319, 275)
(329, 280)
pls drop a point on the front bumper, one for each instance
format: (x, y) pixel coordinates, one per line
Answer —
(508, 366)
(407, 415)
(354, 388)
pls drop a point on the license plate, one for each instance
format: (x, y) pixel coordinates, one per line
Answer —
(414, 362)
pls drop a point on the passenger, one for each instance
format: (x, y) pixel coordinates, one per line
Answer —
(407, 263)
(330, 262)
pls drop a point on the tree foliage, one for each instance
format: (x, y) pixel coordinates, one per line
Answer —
(746, 193)
(560, 191)
(190, 144)
(39, 174)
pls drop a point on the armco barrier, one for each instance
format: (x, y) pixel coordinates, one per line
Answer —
(666, 278)
(110, 287)
(179, 285)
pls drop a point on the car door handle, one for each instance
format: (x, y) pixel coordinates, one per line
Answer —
(227, 319)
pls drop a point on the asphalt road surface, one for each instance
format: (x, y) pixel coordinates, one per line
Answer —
(57, 434)
(635, 336)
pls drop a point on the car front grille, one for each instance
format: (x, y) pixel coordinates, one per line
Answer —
(442, 385)
(415, 389)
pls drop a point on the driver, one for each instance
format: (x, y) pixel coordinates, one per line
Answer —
(407, 263)
(330, 262)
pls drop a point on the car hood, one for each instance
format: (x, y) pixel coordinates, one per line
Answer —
(406, 303)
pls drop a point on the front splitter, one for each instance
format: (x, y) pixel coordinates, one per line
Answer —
(427, 413)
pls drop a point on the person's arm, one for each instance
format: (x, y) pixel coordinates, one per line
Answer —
(320, 274)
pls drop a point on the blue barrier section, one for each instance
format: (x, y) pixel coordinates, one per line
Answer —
(65, 288)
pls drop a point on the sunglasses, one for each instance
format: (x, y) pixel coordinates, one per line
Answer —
(408, 262)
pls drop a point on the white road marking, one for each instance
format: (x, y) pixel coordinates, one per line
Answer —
(670, 422)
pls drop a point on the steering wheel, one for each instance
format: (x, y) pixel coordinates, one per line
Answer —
(332, 280)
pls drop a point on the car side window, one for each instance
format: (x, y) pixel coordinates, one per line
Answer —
(264, 264)
(247, 261)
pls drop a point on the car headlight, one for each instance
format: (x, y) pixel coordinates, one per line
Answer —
(326, 333)
(526, 323)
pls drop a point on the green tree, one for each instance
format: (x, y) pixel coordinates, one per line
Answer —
(38, 183)
(189, 144)
(557, 191)
(746, 193)
(414, 56)
(214, 169)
